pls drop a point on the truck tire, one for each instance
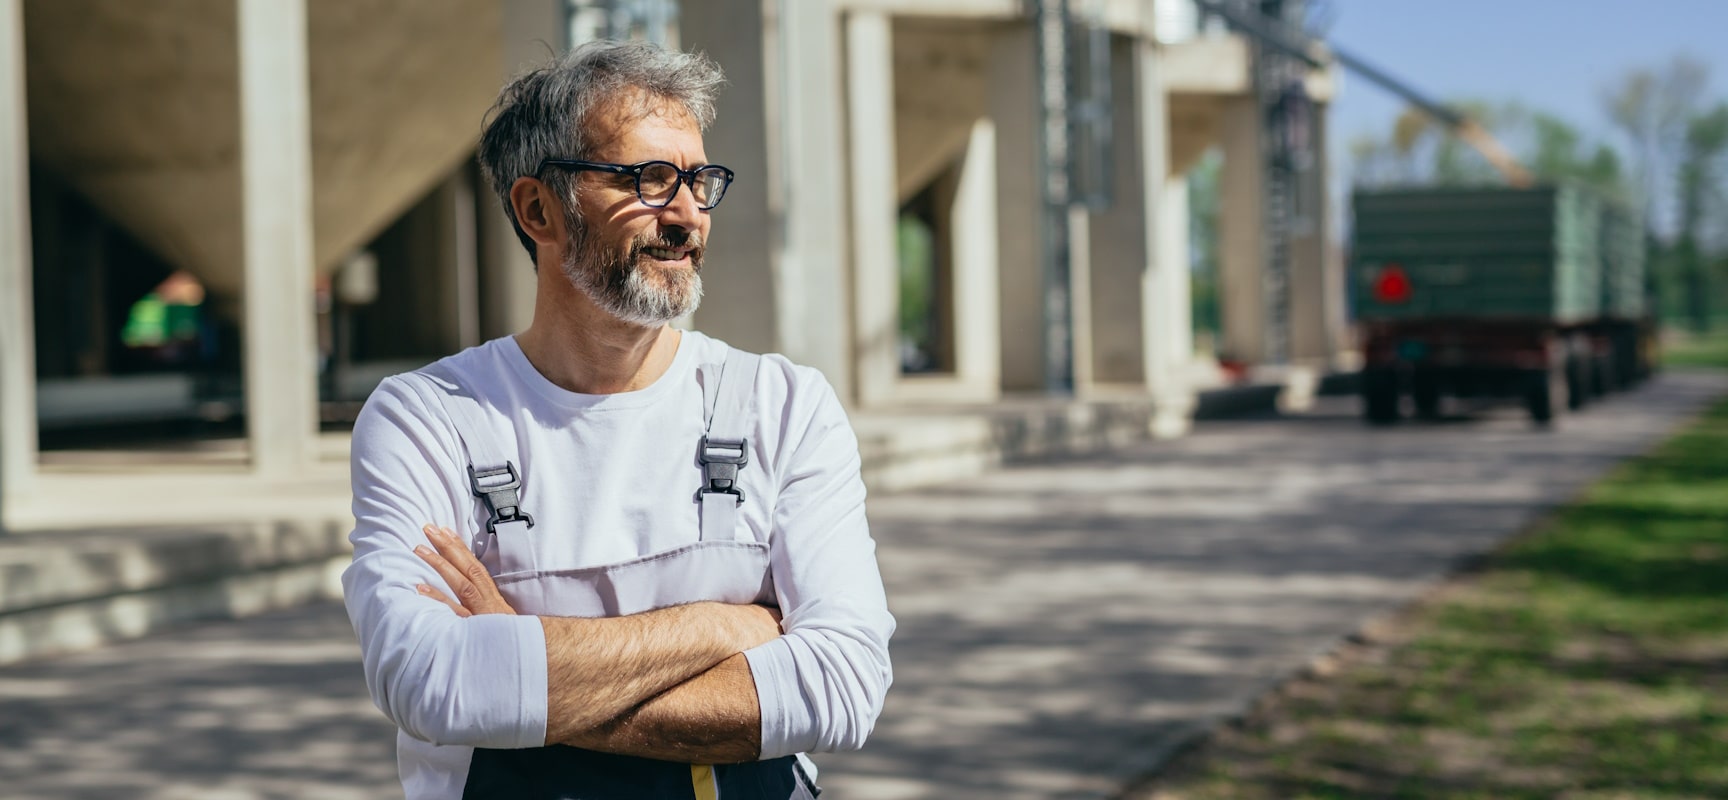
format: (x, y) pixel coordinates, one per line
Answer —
(1606, 379)
(1425, 391)
(1540, 395)
(1380, 396)
(1577, 382)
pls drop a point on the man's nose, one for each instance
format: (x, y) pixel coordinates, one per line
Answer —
(682, 212)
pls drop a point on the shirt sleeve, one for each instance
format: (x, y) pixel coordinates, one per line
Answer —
(477, 681)
(821, 685)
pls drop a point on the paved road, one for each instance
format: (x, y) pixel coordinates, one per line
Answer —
(1062, 626)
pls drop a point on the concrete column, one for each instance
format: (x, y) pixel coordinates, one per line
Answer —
(776, 277)
(276, 199)
(875, 204)
(533, 30)
(1241, 236)
(465, 262)
(974, 256)
(1081, 322)
(1014, 109)
(1316, 268)
(1166, 295)
(1121, 258)
(17, 339)
(1177, 308)
(738, 286)
(506, 272)
(811, 181)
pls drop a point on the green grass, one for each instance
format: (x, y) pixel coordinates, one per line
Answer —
(1710, 350)
(1588, 660)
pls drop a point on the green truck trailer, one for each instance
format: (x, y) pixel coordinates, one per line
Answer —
(1535, 294)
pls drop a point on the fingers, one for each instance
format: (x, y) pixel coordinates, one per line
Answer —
(453, 577)
(433, 593)
(456, 553)
(467, 578)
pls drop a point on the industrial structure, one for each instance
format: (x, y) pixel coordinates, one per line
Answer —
(236, 216)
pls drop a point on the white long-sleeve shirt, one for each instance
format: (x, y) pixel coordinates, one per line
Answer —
(609, 478)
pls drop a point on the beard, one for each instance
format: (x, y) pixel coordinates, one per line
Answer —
(623, 286)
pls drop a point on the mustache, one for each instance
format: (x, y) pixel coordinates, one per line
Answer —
(671, 239)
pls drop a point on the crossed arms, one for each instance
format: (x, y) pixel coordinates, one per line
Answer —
(671, 684)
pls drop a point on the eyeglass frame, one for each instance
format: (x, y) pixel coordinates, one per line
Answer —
(685, 177)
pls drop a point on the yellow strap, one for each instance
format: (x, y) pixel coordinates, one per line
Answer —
(702, 780)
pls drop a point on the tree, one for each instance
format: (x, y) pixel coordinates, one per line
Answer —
(1702, 208)
(1651, 108)
(1559, 152)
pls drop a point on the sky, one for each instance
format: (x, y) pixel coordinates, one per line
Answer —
(1553, 55)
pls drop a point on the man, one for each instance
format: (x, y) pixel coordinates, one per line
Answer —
(596, 556)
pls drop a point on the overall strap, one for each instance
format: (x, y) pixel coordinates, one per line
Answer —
(492, 476)
(724, 447)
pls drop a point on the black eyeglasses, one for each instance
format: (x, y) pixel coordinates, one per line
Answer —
(657, 182)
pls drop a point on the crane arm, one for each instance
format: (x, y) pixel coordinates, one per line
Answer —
(1318, 54)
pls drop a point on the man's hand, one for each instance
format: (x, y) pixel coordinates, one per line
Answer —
(467, 577)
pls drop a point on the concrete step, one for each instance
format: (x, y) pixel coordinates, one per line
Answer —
(101, 555)
(62, 591)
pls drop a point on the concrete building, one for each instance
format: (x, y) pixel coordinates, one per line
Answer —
(309, 163)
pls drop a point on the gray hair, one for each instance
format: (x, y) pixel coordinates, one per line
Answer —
(544, 113)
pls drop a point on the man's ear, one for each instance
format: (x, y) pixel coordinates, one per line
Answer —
(538, 211)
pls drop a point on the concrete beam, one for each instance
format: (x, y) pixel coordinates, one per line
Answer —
(17, 335)
(1209, 65)
(970, 9)
(276, 190)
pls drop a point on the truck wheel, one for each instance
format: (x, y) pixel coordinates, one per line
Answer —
(1425, 390)
(1577, 382)
(1539, 396)
(1380, 396)
(1607, 378)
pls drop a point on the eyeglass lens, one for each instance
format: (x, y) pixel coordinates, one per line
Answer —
(658, 182)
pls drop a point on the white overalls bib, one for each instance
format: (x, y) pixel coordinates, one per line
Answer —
(720, 567)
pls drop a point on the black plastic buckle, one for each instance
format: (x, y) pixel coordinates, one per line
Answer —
(502, 498)
(720, 459)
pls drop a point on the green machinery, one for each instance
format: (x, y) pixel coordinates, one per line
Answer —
(1535, 293)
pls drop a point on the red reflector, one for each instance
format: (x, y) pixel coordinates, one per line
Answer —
(1393, 286)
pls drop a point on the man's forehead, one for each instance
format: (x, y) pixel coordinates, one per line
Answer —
(611, 123)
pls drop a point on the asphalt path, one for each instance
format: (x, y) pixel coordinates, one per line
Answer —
(1063, 626)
